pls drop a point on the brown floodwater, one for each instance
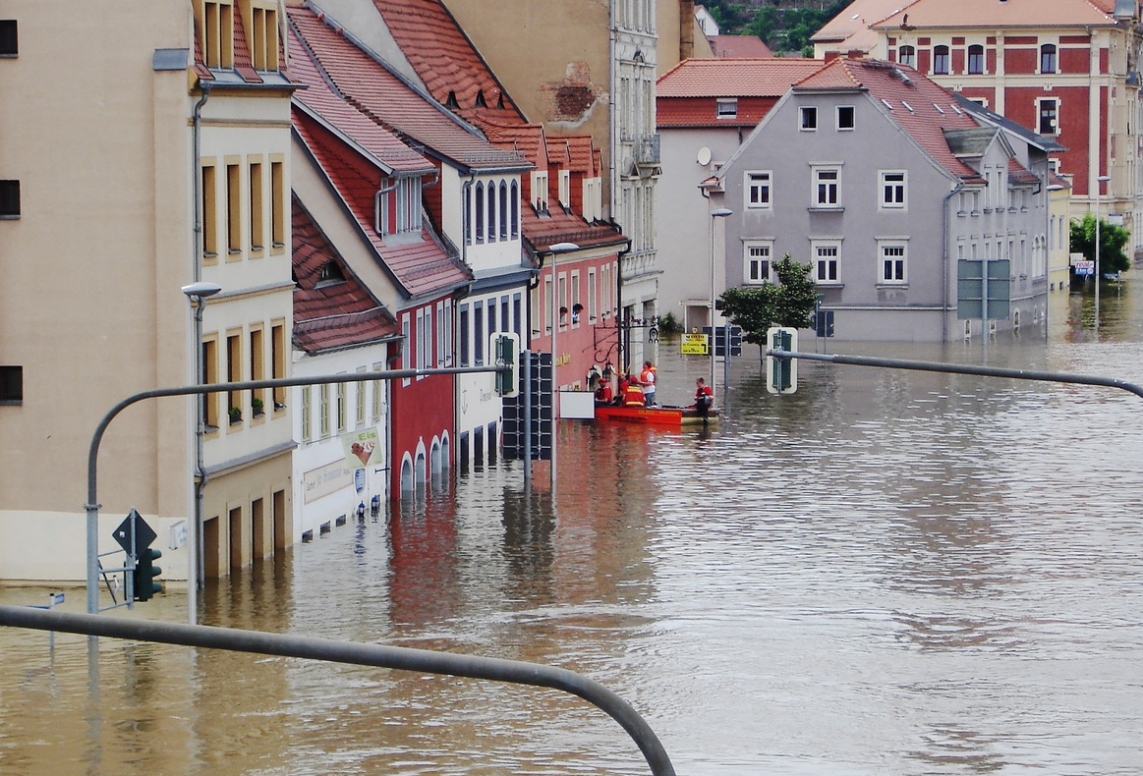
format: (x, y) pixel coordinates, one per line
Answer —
(885, 573)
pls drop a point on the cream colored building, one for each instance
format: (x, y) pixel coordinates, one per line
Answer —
(111, 154)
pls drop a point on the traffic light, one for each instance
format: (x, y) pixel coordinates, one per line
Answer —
(505, 348)
(145, 573)
(781, 373)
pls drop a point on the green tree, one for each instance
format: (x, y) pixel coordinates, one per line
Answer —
(1112, 240)
(789, 302)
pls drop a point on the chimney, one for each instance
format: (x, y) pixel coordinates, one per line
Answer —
(687, 29)
(855, 54)
(831, 56)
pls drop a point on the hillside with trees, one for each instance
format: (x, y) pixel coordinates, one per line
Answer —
(784, 25)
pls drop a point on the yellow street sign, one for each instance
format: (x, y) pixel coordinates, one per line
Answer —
(695, 345)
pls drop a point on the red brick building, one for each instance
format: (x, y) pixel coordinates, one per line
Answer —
(1067, 69)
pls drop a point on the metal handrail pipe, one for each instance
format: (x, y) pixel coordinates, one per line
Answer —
(963, 369)
(376, 655)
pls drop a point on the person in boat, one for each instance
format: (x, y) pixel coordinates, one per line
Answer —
(603, 392)
(621, 395)
(634, 396)
(647, 381)
(704, 398)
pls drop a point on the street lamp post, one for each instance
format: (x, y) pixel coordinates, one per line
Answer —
(1098, 196)
(721, 212)
(197, 293)
(554, 251)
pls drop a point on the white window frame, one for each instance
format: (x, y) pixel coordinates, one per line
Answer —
(825, 190)
(726, 108)
(756, 184)
(910, 58)
(565, 188)
(1056, 122)
(540, 191)
(893, 194)
(808, 118)
(894, 249)
(852, 116)
(829, 262)
(750, 274)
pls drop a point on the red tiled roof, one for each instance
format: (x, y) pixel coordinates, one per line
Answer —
(703, 112)
(919, 106)
(525, 139)
(381, 95)
(739, 47)
(560, 227)
(320, 99)
(331, 315)
(734, 77)
(580, 148)
(1018, 173)
(849, 30)
(421, 266)
(990, 14)
(445, 58)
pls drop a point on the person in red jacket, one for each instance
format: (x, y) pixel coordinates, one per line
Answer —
(704, 398)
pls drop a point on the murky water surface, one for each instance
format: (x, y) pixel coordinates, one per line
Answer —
(885, 573)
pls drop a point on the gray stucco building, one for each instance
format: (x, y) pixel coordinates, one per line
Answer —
(882, 180)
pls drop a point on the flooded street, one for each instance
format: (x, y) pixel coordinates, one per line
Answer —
(887, 572)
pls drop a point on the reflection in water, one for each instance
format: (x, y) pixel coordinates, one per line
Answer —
(886, 572)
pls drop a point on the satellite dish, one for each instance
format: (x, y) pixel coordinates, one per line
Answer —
(704, 156)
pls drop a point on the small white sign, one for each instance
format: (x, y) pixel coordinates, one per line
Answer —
(56, 598)
(178, 535)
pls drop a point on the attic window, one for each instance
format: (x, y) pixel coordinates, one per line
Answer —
(480, 103)
(330, 274)
(908, 107)
(887, 104)
(940, 110)
(727, 108)
(450, 101)
(956, 110)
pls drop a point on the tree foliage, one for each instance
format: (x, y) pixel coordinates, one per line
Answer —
(789, 302)
(1112, 241)
(784, 25)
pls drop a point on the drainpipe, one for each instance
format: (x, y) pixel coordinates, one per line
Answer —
(200, 466)
(945, 260)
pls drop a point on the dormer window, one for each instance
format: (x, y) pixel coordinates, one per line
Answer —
(565, 188)
(727, 108)
(398, 207)
(540, 192)
(329, 274)
(216, 38)
(260, 18)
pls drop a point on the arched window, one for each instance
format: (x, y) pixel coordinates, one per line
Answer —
(907, 55)
(975, 60)
(491, 212)
(1048, 58)
(514, 196)
(479, 212)
(940, 60)
(503, 211)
